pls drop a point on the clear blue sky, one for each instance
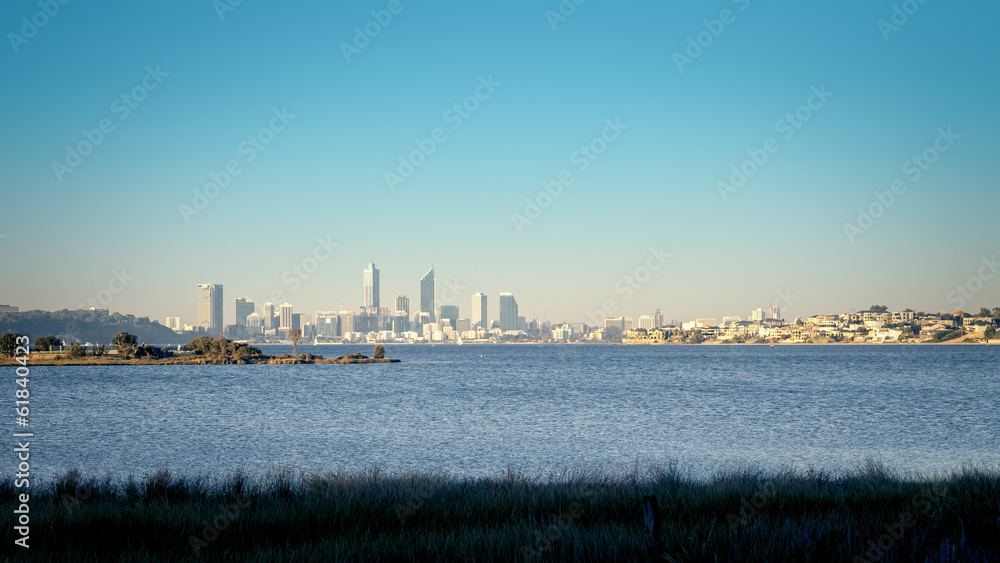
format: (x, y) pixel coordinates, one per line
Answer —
(657, 184)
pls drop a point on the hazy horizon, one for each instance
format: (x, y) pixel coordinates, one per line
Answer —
(833, 102)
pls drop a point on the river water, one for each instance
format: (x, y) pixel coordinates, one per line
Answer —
(475, 410)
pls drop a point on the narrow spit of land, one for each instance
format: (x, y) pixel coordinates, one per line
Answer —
(195, 359)
(870, 514)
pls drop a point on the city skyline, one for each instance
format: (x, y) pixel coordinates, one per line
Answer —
(211, 310)
(625, 137)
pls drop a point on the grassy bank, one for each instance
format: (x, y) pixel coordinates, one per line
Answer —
(368, 516)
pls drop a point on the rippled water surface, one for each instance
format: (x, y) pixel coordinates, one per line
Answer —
(478, 409)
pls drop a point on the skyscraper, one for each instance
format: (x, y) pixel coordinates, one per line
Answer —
(427, 294)
(657, 318)
(210, 307)
(773, 312)
(371, 286)
(508, 312)
(449, 313)
(269, 315)
(286, 317)
(478, 317)
(244, 307)
(403, 304)
(327, 324)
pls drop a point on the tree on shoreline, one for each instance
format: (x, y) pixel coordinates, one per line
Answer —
(8, 343)
(294, 335)
(126, 344)
(45, 343)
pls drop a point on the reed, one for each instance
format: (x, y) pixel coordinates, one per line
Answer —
(743, 514)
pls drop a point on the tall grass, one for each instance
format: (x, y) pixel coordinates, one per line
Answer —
(738, 515)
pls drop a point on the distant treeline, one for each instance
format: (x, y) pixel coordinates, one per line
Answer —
(86, 326)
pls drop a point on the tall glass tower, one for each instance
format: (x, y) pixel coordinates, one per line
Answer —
(479, 311)
(427, 294)
(244, 308)
(508, 312)
(210, 307)
(371, 286)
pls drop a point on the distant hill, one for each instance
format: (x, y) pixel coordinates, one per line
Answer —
(86, 326)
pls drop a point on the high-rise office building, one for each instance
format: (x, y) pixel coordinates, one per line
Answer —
(174, 323)
(479, 310)
(400, 322)
(286, 317)
(657, 318)
(646, 322)
(403, 304)
(427, 294)
(757, 315)
(627, 323)
(346, 321)
(508, 312)
(449, 313)
(773, 312)
(210, 307)
(614, 326)
(244, 307)
(371, 286)
(269, 315)
(327, 324)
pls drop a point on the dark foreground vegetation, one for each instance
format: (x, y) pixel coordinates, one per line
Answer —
(746, 515)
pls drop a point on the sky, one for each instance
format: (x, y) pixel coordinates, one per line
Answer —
(595, 159)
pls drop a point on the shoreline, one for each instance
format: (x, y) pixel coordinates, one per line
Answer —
(190, 361)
